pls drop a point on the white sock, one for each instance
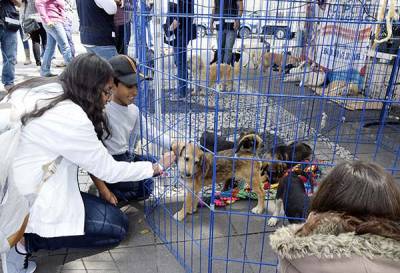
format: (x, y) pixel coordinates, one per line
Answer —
(21, 248)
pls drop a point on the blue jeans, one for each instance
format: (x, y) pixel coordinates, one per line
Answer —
(55, 35)
(107, 52)
(180, 58)
(141, 35)
(226, 44)
(105, 226)
(132, 191)
(8, 42)
(68, 32)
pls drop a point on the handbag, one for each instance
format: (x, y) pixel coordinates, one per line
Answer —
(10, 17)
(30, 25)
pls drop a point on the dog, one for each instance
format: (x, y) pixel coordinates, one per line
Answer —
(226, 73)
(248, 142)
(290, 187)
(280, 60)
(195, 167)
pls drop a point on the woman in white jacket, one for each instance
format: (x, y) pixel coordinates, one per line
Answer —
(64, 126)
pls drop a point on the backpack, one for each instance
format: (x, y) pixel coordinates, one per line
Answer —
(14, 206)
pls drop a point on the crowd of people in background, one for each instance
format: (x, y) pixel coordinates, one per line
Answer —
(104, 27)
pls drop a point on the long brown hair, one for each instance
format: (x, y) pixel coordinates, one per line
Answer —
(364, 195)
(83, 82)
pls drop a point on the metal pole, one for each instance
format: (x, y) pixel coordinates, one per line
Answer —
(158, 64)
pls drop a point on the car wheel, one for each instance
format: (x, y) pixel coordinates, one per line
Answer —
(201, 31)
(280, 34)
(244, 32)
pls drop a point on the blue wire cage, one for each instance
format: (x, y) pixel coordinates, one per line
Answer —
(300, 71)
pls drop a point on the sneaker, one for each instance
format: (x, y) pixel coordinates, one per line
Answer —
(27, 62)
(49, 75)
(17, 262)
(60, 64)
(8, 87)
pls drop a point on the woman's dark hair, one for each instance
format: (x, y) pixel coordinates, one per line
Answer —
(83, 82)
(359, 189)
(364, 195)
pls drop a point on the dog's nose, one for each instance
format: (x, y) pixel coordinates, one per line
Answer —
(188, 175)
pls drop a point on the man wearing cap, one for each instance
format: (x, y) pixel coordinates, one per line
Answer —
(125, 124)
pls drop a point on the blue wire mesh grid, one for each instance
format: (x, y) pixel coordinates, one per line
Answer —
(306, 71)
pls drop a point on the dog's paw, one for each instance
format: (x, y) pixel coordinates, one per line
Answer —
(179, 216)
(257, 210)
(272, 222)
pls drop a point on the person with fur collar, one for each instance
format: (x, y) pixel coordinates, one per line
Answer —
(354, 225)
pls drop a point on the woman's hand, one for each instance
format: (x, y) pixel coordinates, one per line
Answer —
(174, 25)
(165, 162)
(236, 25)
(168, 159)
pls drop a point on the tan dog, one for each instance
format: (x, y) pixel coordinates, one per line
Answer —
(269, 59)
(195, 167)
(227, 73)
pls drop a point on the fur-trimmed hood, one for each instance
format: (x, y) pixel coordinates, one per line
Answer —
(356, 253)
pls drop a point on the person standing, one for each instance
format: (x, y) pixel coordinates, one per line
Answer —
(52, 13)
(96, 26)
(122, 25)
(8, 43)
(230, 14)
(180, 30)
(39, 36)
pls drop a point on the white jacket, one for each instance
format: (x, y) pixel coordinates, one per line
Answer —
(67, 131)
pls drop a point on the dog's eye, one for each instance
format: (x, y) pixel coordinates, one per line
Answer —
(187, 159)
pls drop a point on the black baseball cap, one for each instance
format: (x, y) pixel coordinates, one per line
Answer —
(126, 71)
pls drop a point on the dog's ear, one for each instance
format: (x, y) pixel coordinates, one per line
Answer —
(177, 147)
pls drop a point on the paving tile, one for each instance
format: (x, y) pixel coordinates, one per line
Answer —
(99, 257)
(99, 265)
(77, 264)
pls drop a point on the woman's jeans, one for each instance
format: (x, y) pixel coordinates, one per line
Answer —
(55, 35)
(136, 190)
(105, 226)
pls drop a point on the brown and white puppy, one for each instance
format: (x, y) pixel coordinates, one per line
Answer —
(274, 170)
(249, 142)
(227, 73)
(195, 167)
(279, 59)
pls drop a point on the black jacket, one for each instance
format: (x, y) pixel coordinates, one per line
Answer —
(183, 12)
